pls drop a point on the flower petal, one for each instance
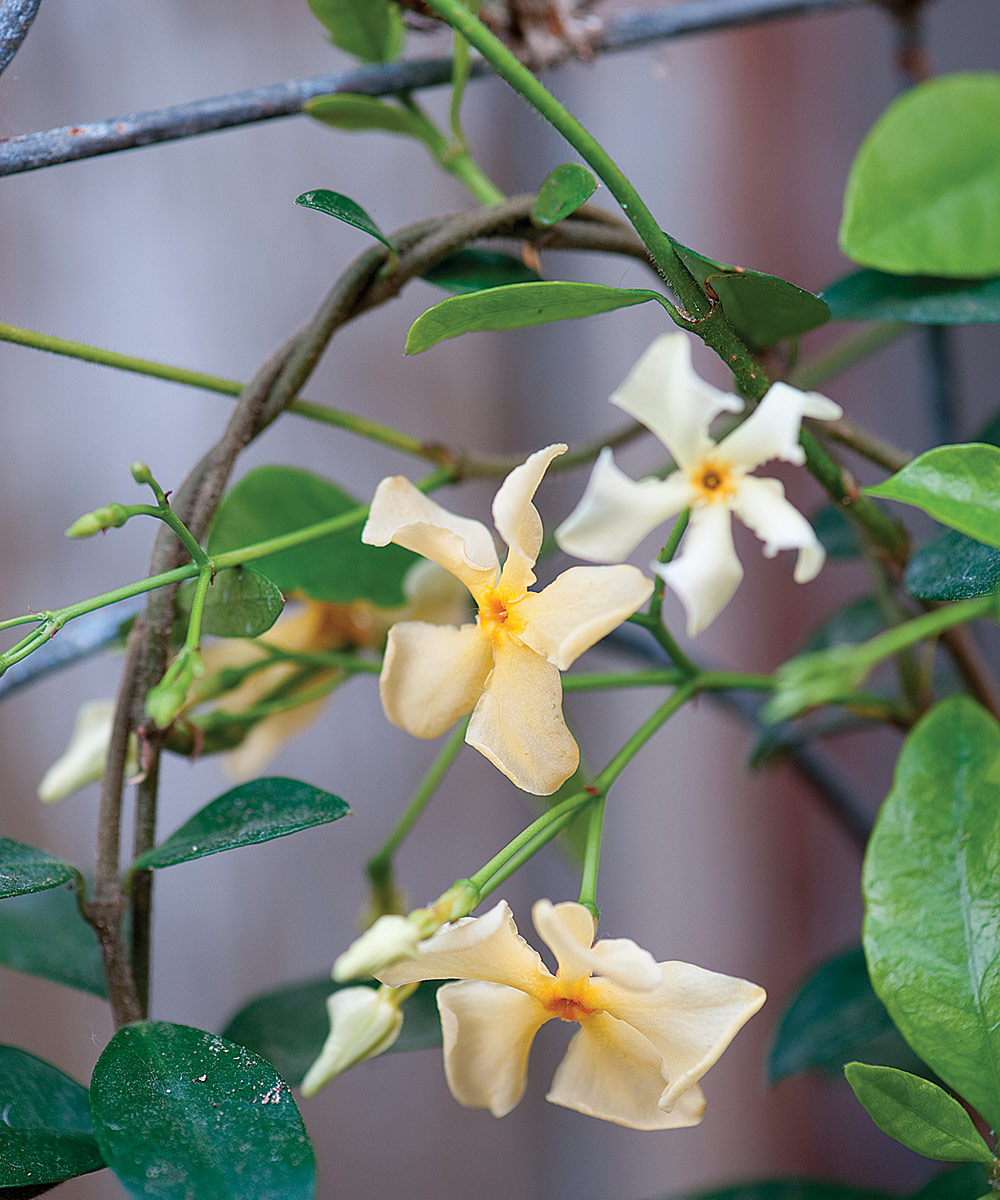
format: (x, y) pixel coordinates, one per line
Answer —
(568, 930)
(487, 1030)
(615, 512)
(400, 513)
(772, 429)
(363, 1023)
(432, 675)
(707, 572)
(690, 1019)
(663, 393)
(83, 760)
(517, 519)
(487, 948)
(578, 609)
(612, 1072)
(761, 505)
(518, 722)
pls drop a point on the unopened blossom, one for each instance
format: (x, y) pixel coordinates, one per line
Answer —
(648, 1031)
(364, 1021)
(391, 938)
(713, 480)
(85, 756)
(504, 668)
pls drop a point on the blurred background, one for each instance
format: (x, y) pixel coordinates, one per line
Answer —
(194, 253)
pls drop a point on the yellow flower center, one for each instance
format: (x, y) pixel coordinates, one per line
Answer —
(713, 480)
(572, 1002)
(497, 613)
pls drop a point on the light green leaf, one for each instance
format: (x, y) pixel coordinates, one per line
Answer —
(46, 1134)
(371, 30)
(517, 306)
(180, 1113)
(952, 567)
(472, 269)
(25, 869)
(333, 204)
(241, 603)
(918, 299)
(254, 812)
(345, 111)
(956, 485)
(562, 193)
(922, 193)
(932, 924)
(45, 935)
(917, 1113)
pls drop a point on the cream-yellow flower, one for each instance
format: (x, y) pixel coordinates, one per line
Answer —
(504, 669)
(648, 1030)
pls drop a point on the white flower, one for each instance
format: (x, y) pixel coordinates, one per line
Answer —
(389, 939)
(648, 1030)
(85, 757)
(504, 669)
(663, 393)
(364, 1021)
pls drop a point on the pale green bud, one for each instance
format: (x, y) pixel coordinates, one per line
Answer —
(141, 473)
(111, 516)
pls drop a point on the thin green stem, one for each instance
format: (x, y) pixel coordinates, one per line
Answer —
(652, 619)
(642, 735)
(453, 155)
(606, 680)
(542, 829)
(592, 856)
(169, 518)
(927, 625)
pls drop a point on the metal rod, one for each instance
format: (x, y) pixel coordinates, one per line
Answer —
(15, 21)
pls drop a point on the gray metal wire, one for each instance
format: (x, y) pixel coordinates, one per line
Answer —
(15, 21)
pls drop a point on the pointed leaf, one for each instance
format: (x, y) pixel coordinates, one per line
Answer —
(562, 193)
(919, 299)
(25, 869)
(517, 306)
(180, 1113)
(921, 195)
(45, 935)
(932, 924)
(46, 1134)
(371, 30)
(254, 812)
(917, 1113)
(956, 485)
(241, 603)
(345, 111)
(472, 269)
(953, 567)
(344, 209)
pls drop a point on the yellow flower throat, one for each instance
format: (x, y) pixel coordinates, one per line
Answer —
(498, 613)
(713, 480)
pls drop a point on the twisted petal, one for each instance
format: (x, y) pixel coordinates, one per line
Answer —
(615, 513)
(400, 513)
(517, 519)
(689, 1019)
(761, 505)
(363, 1023)
(518, 722)
(487, 1031)
(707, 572)
(612, 1072)
(772, 429)
(579, 608)
(663, 393)
(568, 930)
(432, 675)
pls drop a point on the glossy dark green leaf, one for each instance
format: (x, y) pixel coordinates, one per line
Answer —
(371, 30)
(333, 204)
(517, 306)
(856, 621)
(472, 269)
(338, 568)
(956, 485)
(355, 113)
(241, 603)
(289, 1025)
(921, 195)
(785, 1189)
(967, 1182)
(562, 193)
(952, 567)
(917, 1113)
(45, 935)
(46, 1133)
(25, 869)
(763, 309)
(918, 299)
(932, 924)
(254, 812)
(180, 1113)
(836, 533)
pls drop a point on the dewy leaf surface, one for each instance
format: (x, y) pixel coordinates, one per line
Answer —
(343, 208)
(932, 923)
(952, 567)
(25, 869)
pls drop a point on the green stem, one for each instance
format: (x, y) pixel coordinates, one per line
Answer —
(167, 515)
(592, 857)
(453, 156)
(542, 830)
(606, 680)
(642, 735)
(652, 619)
(927, 625)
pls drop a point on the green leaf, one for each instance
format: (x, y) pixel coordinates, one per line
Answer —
(953, 567)
(956, 485)
(241, 603)
(856, 621)
(921, 194)
(344, 209)
(932, 924)
(371, 30)
(956, 1183)
(838, 536)
(787, 1189)
(338, 568)
(46, 1134)
(834, 1016)
(345, 111)
(917, 1113)
(180, 1113)
(763, 309)
(45, 935)
(517, 306)
(562, 193)
(472, 269)
(919, 299)
(25, 869)
(254, 812)
(289, 1025)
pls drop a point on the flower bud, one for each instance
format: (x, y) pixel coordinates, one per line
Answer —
(111, 516)
(83, 760)
(364, 1021)
(141, 473)
(391, 939)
